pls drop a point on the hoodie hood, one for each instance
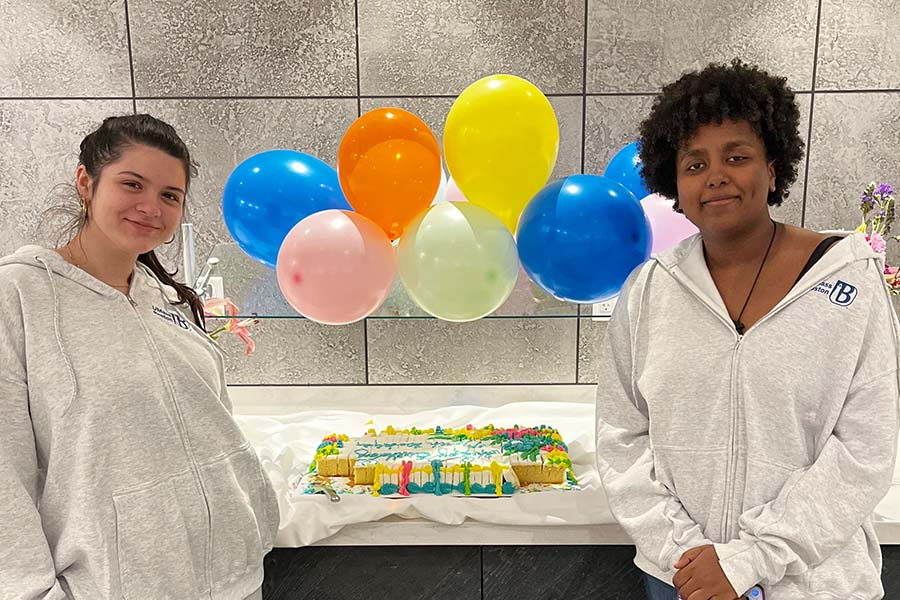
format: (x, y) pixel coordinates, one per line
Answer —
(56, 266)
(685, 263)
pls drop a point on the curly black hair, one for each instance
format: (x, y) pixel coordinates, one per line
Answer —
(738, 92)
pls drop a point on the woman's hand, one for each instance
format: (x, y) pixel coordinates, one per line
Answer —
(700, 577)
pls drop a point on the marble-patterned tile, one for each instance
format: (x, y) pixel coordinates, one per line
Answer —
(590, 336)
(39, 142)
(569, 114)
(611, 122)
(413, 47)
(640, 46)
(614, 121)
(222, 133)
(434, 112)
(857, 45)
(486, 351)
(791, 210)
(234, 48)
(295, 352)
(855, 139)
(64, 48)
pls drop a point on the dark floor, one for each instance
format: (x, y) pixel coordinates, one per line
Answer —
(471, 573)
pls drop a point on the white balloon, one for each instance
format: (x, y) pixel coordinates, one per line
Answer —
(441, 195)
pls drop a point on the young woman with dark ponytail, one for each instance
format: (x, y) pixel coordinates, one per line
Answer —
(122, 471)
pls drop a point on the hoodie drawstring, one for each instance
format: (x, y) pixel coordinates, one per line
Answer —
(59, 336)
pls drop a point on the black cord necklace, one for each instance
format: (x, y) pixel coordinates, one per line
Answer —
(738, 324)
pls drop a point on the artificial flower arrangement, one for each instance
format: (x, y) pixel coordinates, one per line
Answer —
(877, 206)
(224, 308)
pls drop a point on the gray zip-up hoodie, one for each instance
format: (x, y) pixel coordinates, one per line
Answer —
(775, 445)
(122, 472)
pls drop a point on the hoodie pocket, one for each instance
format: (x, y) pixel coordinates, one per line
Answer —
(152, 545)
(696, 476)
(239, 498)
(764, 482)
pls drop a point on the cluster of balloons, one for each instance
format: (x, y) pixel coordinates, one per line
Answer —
(330, 235)
(668, 227)
(580, 237)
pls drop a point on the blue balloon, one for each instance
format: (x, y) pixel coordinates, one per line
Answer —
(580, 237)
(270, 192)
(625, 167)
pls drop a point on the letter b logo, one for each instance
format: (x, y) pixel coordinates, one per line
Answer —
(843, 294)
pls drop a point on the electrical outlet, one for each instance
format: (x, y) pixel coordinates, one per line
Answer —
(602, 311)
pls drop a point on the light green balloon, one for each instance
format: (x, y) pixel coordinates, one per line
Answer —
(458, 261)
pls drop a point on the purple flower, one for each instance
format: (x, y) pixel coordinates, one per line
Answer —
(884, 190)
(866, 202)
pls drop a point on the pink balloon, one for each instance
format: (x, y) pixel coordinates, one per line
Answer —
(453, 193)
(668, 226)
(336, 267)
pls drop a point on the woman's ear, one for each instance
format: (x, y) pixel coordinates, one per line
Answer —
(83, 183)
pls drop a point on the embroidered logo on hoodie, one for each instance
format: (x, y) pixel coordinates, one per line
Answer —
(843, 293)
(172, 317)
(839, 292)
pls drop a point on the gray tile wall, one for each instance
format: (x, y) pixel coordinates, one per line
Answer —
(236, 78)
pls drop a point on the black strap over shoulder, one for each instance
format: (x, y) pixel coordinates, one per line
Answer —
(820, 250)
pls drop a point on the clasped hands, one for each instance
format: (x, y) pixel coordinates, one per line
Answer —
(700, 577)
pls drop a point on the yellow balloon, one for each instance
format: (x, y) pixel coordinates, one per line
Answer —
(501, 139)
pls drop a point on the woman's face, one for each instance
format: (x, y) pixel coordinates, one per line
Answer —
(138, 202)
(724, 178)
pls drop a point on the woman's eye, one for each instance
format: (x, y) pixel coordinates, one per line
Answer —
(172, 197)
(133, 185)
(694, 166)
(737, 158)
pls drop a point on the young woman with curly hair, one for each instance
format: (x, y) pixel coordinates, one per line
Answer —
(748, 415)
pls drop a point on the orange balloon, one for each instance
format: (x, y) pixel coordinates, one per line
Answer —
(389, 166)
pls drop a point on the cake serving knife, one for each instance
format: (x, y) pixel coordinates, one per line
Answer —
(322, 485)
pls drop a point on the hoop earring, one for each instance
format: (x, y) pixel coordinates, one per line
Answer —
(84, 210)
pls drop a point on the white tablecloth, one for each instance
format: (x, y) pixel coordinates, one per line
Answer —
(287, 443)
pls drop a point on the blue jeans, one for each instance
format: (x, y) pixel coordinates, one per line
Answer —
(658, 590)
